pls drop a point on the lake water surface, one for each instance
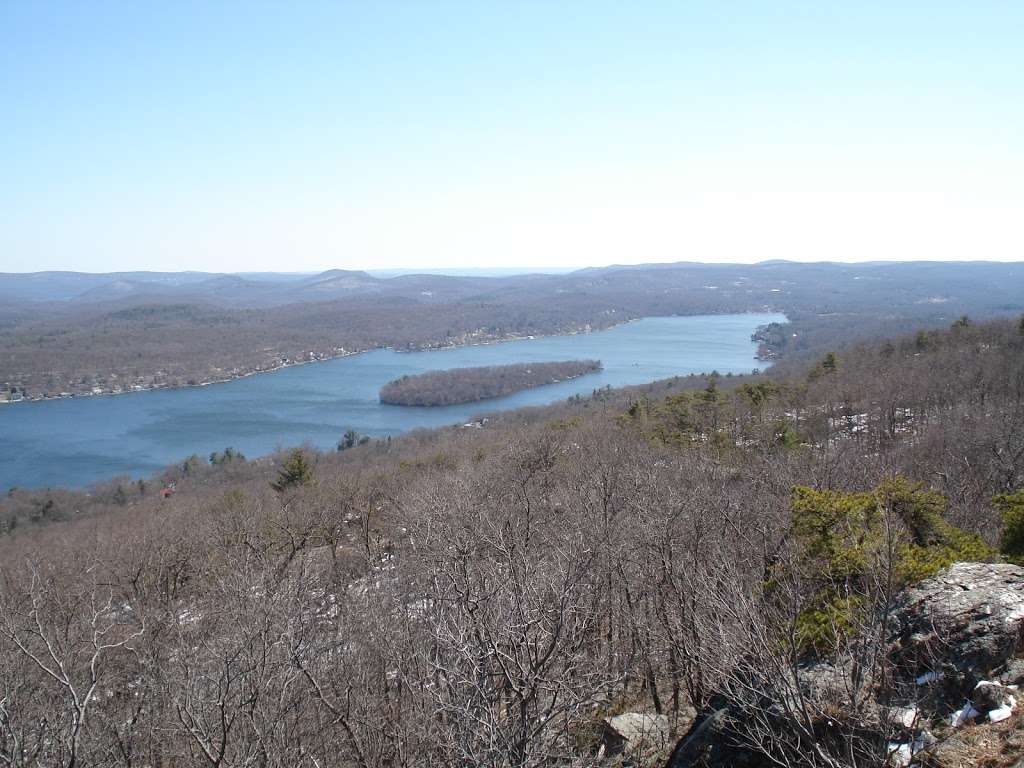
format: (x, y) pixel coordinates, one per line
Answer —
(79, 441)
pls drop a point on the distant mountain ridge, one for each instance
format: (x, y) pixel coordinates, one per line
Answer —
(275, 289)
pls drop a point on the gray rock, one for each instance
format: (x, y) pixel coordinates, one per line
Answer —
(712, 741)
(963, 623)
(639, 736)
(950, 632)
(1013, 674)
(988, 696)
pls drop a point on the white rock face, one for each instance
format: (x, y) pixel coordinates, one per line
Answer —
(904, 716)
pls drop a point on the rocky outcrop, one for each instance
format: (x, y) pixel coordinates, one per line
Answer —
(953, 654)
(960, 626)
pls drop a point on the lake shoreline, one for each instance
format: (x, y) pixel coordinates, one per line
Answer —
(327, 358)
(324, 359)
(74, 444)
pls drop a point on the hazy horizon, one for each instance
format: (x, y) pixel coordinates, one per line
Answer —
(500, 271)
(231, 138)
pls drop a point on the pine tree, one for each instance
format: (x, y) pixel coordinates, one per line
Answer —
(296, 471)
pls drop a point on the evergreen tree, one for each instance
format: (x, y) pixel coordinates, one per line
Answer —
(296, 471)
(827, 366)
(348, 440)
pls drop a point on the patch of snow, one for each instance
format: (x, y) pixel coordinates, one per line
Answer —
(965, 714)
(1003, 712)
(900, 754)
(928, 677)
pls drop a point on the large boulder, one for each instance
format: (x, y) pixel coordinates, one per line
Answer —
(960, 626)
(725, 731)
(639, 737)
(955, 640)
(713, 742)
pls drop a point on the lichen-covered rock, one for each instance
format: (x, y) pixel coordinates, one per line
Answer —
(960, 625)
(953, 650)
(1013, 674)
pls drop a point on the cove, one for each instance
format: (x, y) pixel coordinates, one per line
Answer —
(79, 441)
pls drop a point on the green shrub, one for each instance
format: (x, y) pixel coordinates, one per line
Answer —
(820, 628)
(836, 529)
(916, 563)
(844, 539)
(1011, 542)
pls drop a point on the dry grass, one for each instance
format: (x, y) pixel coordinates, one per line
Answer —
(982, 746)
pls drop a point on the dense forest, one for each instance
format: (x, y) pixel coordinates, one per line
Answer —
(467, 385)
(68, 333)
(494, 596)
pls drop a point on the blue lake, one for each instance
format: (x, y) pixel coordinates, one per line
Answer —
(79, 441)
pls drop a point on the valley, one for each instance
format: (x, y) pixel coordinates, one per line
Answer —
(69, 334)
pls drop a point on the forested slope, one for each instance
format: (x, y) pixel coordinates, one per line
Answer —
(486, 596)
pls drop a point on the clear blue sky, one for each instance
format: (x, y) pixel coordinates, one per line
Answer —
(228, 136)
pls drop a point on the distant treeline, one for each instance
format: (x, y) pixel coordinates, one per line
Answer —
(467, 385)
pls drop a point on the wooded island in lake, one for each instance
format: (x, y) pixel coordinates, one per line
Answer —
(466, 385)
